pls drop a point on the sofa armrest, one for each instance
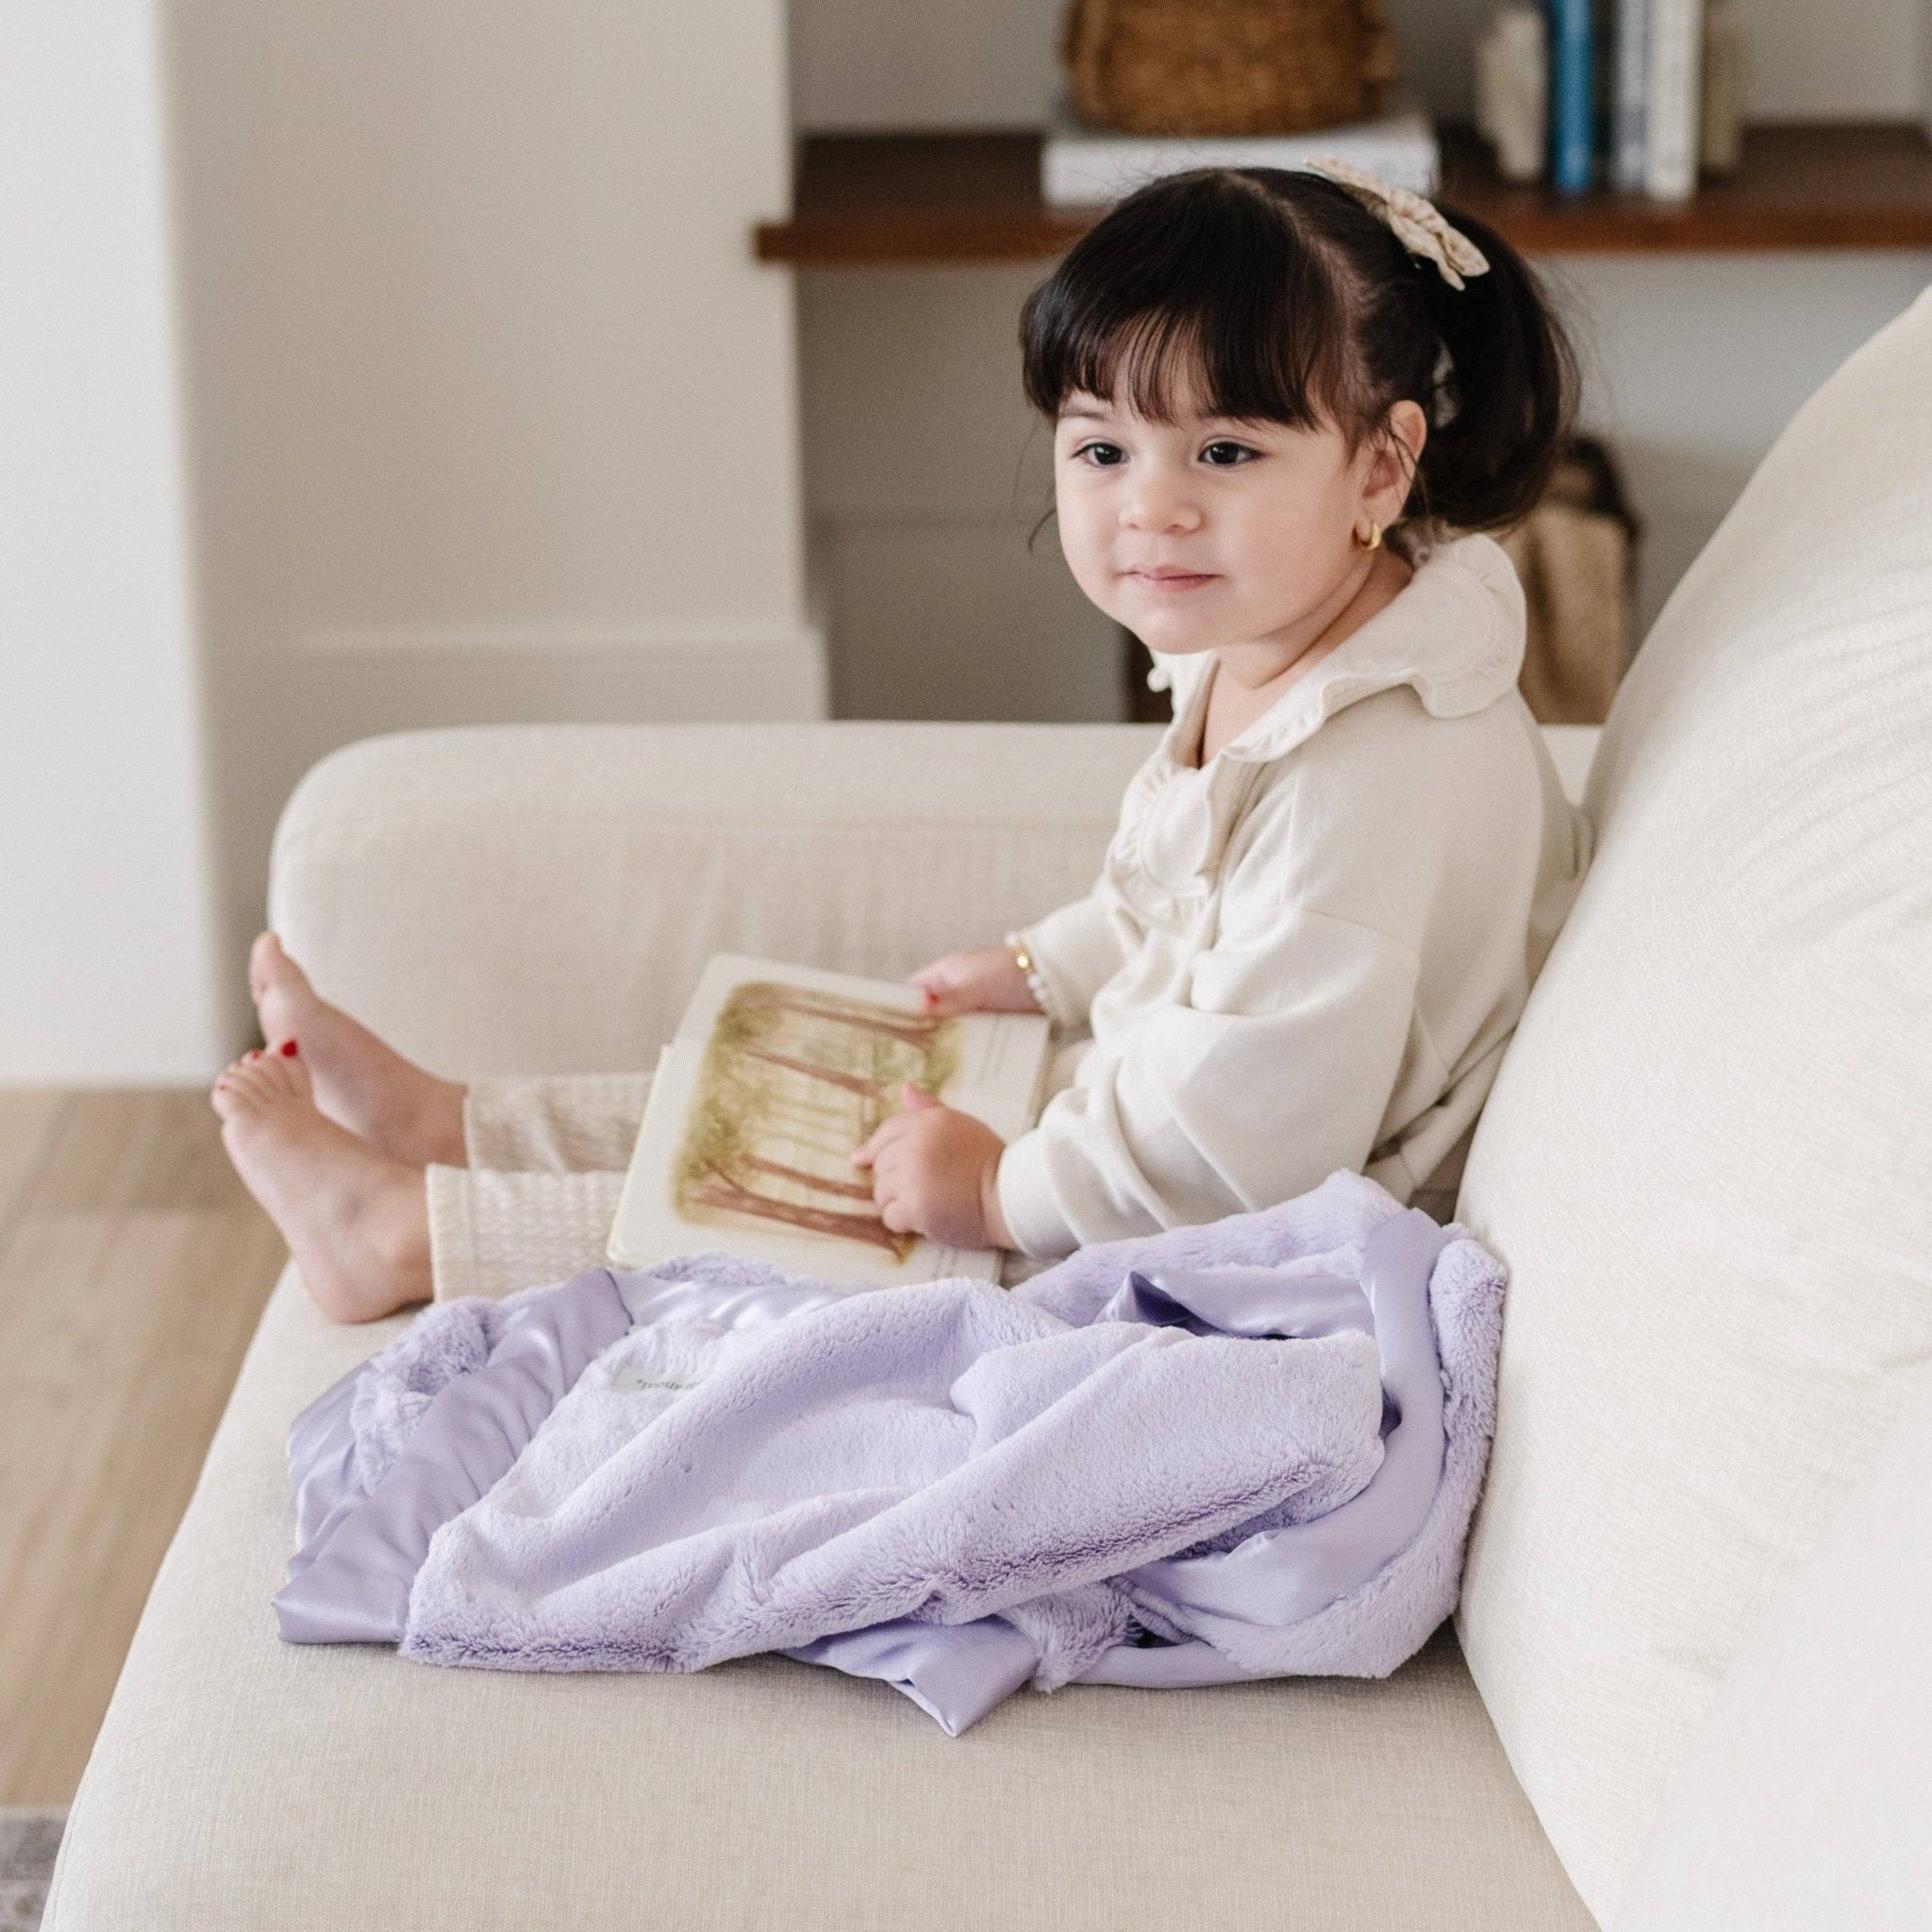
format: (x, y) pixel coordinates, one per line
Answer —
(541, 899)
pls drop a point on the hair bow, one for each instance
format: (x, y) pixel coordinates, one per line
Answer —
(1417, 224)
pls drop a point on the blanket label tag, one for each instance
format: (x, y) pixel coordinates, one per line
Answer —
(634, 1378)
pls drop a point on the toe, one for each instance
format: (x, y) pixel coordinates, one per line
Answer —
(262, 957)
(270, 970)
(289, 1070)
(232, 1090)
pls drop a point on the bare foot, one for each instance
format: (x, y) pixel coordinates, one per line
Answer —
(357, 1223)
(360, 1082)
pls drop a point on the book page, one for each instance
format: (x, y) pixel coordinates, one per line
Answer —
(776, 1074)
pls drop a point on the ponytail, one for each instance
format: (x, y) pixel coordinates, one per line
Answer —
(1508, 396)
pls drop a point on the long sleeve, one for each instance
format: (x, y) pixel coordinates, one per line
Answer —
(1076, 951)
(1276, 1072)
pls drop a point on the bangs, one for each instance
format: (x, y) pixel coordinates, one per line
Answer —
(1195, 293)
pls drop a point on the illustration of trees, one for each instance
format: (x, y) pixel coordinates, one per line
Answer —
(792, 1082)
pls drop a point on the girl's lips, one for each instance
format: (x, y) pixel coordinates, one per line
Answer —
(1172, 580)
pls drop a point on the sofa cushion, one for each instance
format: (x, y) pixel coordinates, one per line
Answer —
(1707, 1160)
(1804, 1801)
(240, 1782)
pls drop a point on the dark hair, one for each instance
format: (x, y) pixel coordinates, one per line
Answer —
(1287, 301)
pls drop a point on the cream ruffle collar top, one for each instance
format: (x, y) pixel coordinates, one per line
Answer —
(1308, 953)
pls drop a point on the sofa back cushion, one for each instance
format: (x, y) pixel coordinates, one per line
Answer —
(1707, 1160)
(1804, 1800)
(540, 899)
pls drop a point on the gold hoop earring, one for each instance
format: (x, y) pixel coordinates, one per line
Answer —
(1373, 540)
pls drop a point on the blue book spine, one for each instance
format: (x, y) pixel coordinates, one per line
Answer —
(1572, 97)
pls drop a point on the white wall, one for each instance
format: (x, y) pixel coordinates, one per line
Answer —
(1810, 60)
(908, 63)
(1847, 61)
(924, 478)
(494, 417)
(105, 890)
(488, 414)
(1926, 67)
(900, 63)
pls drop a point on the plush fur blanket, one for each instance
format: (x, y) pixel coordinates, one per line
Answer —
(1246, 1449)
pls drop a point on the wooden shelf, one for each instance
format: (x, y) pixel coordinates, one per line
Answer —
(976, 197)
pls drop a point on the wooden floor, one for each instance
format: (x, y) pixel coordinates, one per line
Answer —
(132, 1270)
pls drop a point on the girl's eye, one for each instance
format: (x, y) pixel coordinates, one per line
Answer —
(1103, 455)
(1225, 455)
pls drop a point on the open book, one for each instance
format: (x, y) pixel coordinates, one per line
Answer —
(776, 1074)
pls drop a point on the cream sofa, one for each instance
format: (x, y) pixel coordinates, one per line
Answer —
(1693, 1695)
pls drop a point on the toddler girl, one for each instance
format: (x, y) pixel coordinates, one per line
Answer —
(1283, 404)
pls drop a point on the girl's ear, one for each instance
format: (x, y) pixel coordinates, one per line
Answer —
(1398, 449)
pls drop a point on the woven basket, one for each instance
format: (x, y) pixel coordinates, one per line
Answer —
(1225, 66)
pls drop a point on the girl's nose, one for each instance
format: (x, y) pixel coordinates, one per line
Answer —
(1154, 505)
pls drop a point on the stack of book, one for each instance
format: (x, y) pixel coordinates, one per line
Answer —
(1630, 94)
(1080, 166)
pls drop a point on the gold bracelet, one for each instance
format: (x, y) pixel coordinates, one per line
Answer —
(1036, 984)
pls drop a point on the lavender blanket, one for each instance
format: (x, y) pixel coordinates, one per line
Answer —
(1243, 1450)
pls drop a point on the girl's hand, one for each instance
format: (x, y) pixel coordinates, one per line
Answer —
(935, 1171)
(986, 980)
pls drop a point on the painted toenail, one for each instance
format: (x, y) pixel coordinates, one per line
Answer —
(288, 1049)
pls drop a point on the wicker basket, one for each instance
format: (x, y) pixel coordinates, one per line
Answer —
(1210, 67)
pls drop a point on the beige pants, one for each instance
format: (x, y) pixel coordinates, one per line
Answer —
(547, 1156)
(536, 1203)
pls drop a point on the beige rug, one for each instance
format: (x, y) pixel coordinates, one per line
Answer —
(28, 1839)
